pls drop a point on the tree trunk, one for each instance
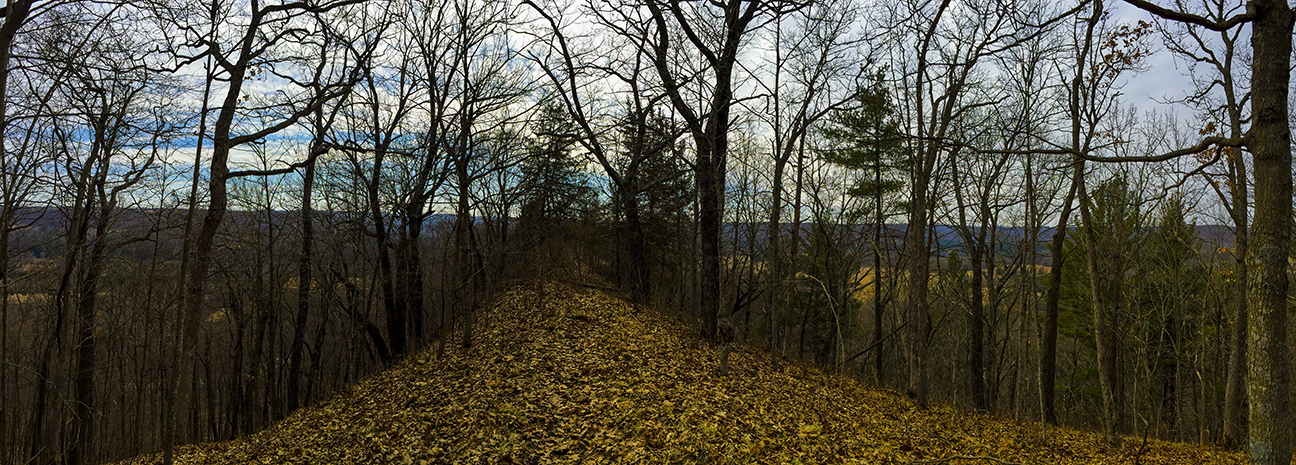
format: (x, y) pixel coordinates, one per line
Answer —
(709, 247)
(640, 285)
(1270, 144)
(976, 327)
(1234, 393)
(924, 160)
(1052, 296)
(303, 291)
(411, 267)
(194, 297)
(42, 440)
(87, 407)
(393, 307)
(170, 375)
(6, 220)
(973, 244)
(1103, 310)
(465, 297)
(15, 16)
(916, 245)
(713, 148)
(879, 223)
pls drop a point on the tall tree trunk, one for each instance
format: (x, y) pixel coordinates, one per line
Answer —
(409, 268)
(636, 248)
(263, 310)
(78, 230)
(774, 234)
(171, 375)
(1103, 313)
(16, 13)
(1049, 357)
(1234, 389)
(194, 296)
(393, 307)
(41, 443)
(713, 148)
(1270, 143)
(711, 139)
(6, 222)
(1052, 298)
(916, 319)
(303, 290)
(879, 223)
(974, 242)
(404, 253)
(709, 243)
(465, 297)
(916, 245)
(412, 267)
(976, 327)
(84, 386)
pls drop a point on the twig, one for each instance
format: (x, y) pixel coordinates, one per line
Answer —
(878, 342)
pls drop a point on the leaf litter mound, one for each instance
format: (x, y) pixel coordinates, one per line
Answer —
(564, 374)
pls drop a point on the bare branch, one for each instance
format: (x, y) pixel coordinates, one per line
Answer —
(1175, 15)
(1199, 148)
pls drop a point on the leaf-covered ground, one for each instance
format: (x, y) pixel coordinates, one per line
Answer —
(569, 375)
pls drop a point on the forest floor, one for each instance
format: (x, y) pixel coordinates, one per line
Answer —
(564, 374)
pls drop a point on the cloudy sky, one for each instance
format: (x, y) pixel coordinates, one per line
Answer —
(1165, 79)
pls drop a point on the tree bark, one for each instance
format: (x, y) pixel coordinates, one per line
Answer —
(879, 223)
(1234, 389)
(1052, 296)
(636, 249)
(1104, 309)
(304, 280)
(465, 244)
(973, 244)
(710, 136)
(1270, 143)
(223, 142)
(16, 13)
(87, 406)
(916, 246)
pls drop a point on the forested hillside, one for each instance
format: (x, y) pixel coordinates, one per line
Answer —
(217, 213)
(562, 374)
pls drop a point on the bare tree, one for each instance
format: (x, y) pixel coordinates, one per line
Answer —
(1269, 140)
(14, 189)
(1213, 59)
(951, 47)
(488, 88)
(1106, 52)
(112, 104)
(818, 55)
(320, 122)
(572, 72)
(719, 47)
(264, 28)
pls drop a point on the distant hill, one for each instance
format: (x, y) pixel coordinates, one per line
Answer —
(947, 239)
(41, 228)
(565, 374)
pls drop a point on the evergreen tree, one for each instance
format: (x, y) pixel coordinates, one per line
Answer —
(867, 138)
(554, 186)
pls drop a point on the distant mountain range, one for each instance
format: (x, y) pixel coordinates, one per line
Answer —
(947, 239)
(40, 231)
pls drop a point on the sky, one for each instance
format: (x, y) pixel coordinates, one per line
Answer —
(1165, 79)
